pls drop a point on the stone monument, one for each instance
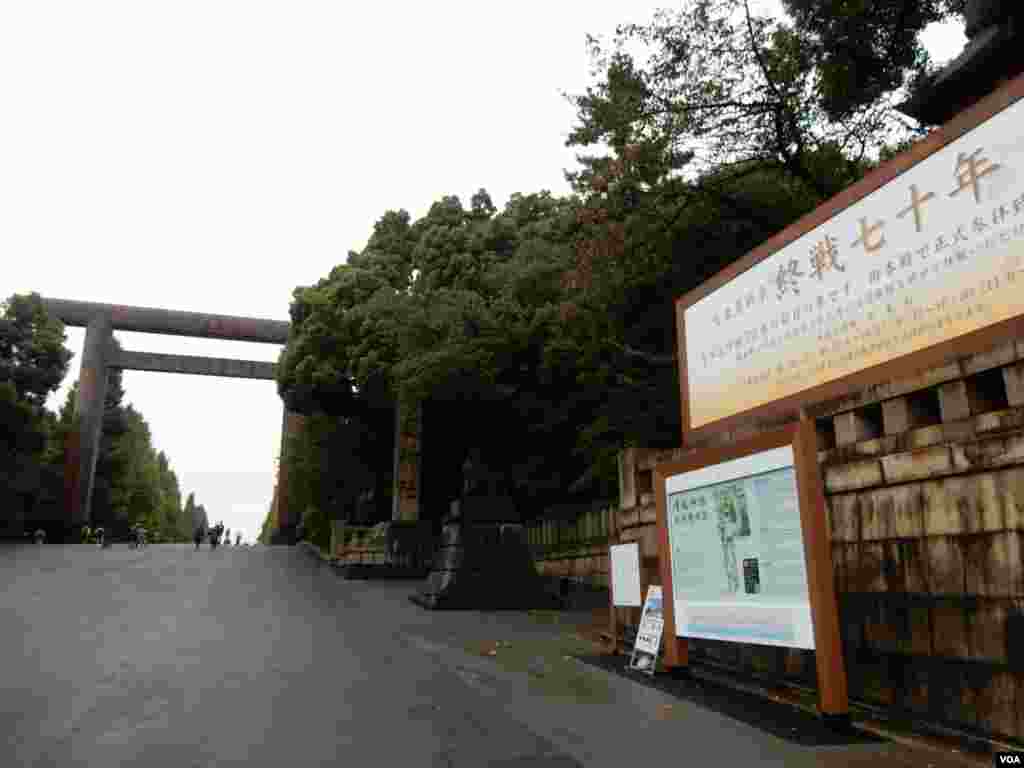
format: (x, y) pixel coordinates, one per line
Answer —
(483, 560)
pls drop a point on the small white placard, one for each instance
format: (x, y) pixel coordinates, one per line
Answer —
(626, 575)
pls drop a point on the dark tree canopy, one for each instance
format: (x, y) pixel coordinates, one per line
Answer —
(865, 49)
(550, 322)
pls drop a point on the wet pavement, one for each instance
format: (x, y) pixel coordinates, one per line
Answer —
(263, 656)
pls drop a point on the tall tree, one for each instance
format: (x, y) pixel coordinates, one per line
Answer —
(551, 321)
(865, 51)
(33, 361)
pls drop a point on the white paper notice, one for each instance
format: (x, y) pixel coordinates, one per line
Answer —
(626, 575)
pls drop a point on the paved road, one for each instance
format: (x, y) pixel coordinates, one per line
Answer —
(263, 657)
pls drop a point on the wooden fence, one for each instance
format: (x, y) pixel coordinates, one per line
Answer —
(554, 538)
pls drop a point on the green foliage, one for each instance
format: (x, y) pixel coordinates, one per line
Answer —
(721, 89)
(317, 528)
(864, 50)
(268, 526)
(329, 465)
(551, 322)
(33, 361)
(33, 357)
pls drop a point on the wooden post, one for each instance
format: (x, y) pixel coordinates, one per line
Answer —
(677, 649)
(613, 538)
(833, 701)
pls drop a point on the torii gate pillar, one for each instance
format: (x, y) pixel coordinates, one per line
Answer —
(84, 441)
(407, 465)
(287, 518)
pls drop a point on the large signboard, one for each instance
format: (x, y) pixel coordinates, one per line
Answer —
(737, 554)
(931, 255)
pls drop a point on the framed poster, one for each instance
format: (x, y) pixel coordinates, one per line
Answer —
(745, 554)
(918, 263)
(737, 554)
(625, 564)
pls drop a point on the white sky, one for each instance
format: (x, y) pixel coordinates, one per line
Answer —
(211, 156)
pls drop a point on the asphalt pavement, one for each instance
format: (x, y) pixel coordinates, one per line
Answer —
(263, 656)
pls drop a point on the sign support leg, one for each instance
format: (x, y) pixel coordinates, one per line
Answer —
(833, 701)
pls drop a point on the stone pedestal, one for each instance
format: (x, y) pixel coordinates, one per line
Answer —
(483, 561)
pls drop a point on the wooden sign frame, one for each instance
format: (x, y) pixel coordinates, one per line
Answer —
(907, 365)
(833, 701)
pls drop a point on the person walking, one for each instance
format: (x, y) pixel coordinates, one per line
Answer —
(198, 535)
(100, 537)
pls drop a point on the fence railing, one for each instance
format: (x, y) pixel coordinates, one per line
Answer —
(404, 544)
(550, 538)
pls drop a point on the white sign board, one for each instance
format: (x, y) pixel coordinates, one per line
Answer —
(648, 636)
(626, 574)
(736, 552)
(934, 254)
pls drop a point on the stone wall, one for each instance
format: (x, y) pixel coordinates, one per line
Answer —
(575, 549)
(587, 565)
(924, 480)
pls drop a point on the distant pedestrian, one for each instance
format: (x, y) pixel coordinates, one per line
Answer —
(198, 535)
(39, 536)
(227, 538)
(238, 540)
(100, 537)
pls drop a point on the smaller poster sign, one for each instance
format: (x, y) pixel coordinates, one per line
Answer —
(648, 637)
(626, 575)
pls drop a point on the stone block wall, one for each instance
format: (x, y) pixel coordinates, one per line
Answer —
(573, 549)
(924, 479)
(587, 565)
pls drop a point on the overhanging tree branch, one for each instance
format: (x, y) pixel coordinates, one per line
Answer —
(792, 163)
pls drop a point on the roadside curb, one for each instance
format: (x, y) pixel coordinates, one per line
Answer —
(965, 749)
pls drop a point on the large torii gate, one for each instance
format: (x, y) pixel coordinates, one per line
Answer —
(99, 356)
